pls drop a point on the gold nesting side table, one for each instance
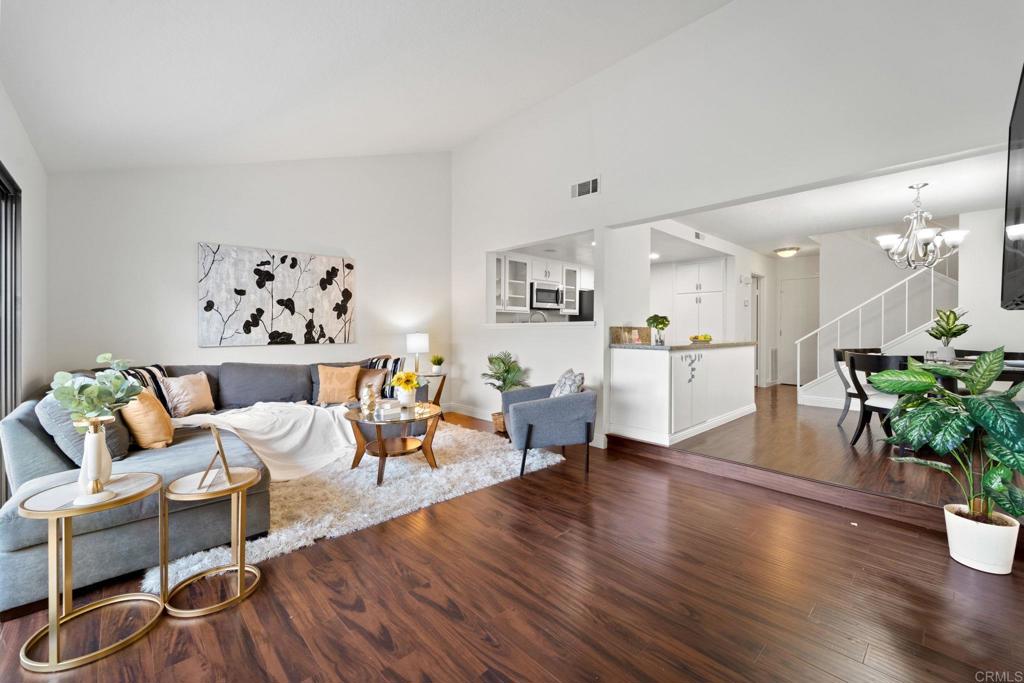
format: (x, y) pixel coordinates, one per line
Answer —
(215, 483)
(56, 506)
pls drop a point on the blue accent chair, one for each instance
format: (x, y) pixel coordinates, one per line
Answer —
(535, 420)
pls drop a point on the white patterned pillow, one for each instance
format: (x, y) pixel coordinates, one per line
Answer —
(569, 383)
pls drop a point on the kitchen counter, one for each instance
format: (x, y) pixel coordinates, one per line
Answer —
(684, 347)
(666, 397)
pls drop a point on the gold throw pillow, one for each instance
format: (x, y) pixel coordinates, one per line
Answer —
(188, 394)
(337, 385)
(148, 422)
(373, 378)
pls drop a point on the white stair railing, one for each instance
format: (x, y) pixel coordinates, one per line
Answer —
(836, 323)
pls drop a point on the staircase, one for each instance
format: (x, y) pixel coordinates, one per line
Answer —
(886, 320)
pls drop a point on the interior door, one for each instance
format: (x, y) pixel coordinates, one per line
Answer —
(798, 315)
(712, 314)
(685, 318)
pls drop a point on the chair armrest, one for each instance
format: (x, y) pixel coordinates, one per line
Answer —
(560, 421)
(509, 398)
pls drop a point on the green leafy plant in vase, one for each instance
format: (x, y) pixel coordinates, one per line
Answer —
(504, 373)
(658, 323)
(92, 402)
(436, 361)
(947, 327)
(980, 436)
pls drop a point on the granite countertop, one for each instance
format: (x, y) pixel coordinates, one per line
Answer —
(683, 347)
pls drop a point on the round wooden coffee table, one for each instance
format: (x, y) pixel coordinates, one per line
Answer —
(56, 506)
(400, 445)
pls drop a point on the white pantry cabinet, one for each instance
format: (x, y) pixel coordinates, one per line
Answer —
(700, 276)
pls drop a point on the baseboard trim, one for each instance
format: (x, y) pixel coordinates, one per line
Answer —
(662, 439)
(825, 402)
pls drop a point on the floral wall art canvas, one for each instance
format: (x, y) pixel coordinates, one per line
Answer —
(252, 297)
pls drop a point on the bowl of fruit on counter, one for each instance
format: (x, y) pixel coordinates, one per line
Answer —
(700, 338)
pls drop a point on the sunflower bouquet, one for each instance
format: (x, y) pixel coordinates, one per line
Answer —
(407, 380)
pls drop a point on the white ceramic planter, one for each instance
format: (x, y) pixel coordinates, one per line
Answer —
(95, 471)
(436, 369)
(985, 547)
(945, 353)
(406, 397)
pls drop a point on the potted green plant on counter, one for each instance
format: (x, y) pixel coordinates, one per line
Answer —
(981, 438)
(436, 361)
(504, 373)
(659, 324)
(947, 327)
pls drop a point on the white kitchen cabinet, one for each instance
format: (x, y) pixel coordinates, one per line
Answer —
(546, 270)
(515, 284)
(586, 278)
(570, 279)
(700, 276)
(690, 390)
(697, 313)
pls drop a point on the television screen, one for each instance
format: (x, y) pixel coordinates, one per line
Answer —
(1013, 239)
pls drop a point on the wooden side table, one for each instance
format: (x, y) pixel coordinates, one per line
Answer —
(56, 507)
(207, 485)
(440, 387)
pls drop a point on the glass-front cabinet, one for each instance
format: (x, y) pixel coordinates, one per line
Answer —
(570, 290)
(512, 285)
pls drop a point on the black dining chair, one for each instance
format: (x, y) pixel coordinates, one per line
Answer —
(839, 361)
(872, 401)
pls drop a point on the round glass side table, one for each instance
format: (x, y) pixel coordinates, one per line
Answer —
(56, 506)
(207, 485)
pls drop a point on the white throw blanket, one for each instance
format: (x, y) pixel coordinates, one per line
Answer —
(292, 439)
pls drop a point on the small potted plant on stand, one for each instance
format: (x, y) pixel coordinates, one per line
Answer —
(504, 373)
(406, 383)
(92, 402)
(436, 361)
(947, 328)
(659, 324)
(982, 434)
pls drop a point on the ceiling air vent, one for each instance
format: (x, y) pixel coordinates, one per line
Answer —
(584, 188)
(698, 235)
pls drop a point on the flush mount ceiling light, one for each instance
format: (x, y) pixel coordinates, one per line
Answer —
(655, 256)
(922, 246)
(787, 252)
(1015, 232)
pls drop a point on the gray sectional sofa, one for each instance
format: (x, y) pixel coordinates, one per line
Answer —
(123, 540)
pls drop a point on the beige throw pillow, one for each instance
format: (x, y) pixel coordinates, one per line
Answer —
(337, 385)
(148, 422)
(373, 378)
(188, 394)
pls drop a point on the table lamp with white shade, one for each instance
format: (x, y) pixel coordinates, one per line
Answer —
(417, 343)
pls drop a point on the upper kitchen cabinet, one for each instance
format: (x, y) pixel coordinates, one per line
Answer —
(545, 270)
(570, 279)
(512, 293)
(700, 276)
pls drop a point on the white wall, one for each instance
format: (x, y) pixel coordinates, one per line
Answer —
(18, 155)
(123, 243)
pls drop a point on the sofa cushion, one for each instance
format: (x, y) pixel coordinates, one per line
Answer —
(212, 375)
(56, 420)
(28, 451)
(190, 453)
(243, 384)
(337, 385)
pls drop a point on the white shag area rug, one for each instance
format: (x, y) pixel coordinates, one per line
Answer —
(337, 500)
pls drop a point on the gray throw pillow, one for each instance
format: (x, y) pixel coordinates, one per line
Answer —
(57, 422)
(569, 383)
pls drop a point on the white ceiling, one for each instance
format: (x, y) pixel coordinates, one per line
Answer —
(128, 83)
(575, 248)
(954, 187)
(670, 248)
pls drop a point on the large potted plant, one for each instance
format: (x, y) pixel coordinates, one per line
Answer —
(947, 327)
(980, 436)
(504, 373)
(92, 402)
(658, 323)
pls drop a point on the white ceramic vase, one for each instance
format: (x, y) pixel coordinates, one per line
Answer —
(946, 354)
(985, 547)
(436, 369)
(96, 465)
(406, 397)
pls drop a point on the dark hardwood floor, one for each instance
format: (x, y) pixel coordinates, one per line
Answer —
(804, 441)
(642, 571)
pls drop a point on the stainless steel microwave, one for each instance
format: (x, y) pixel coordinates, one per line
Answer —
(545, 295)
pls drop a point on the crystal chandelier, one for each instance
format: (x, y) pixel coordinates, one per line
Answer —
(922, 246)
